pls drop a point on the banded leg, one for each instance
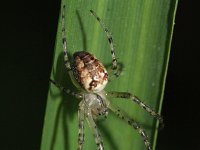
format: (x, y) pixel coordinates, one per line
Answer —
(95, 131)
(67, 91)
(64, 41)
(81, 128)
(113, 74)
(133, 124)
(135, 99)
(110, 40)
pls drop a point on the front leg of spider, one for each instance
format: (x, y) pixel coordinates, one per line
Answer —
(91, 76)
(135, 99)
(133, 124)
(97, 136)
(81, 117)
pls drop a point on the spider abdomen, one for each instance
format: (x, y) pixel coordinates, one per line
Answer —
(89, 72)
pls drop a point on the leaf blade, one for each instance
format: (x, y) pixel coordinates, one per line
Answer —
(140, 31)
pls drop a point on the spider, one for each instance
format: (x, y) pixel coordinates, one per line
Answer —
(89, 75)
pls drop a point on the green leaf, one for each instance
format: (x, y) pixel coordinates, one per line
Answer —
(142, 33)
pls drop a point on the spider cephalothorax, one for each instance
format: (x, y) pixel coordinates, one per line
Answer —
(92, 77)
(98, 104)
(89, 72)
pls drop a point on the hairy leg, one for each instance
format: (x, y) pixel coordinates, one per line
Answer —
(126, 95)
(133, 124)
(97, 136)
(81, 116)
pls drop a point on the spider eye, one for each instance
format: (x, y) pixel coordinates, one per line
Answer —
(89, 72)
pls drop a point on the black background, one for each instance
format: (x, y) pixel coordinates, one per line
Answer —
(28, 30)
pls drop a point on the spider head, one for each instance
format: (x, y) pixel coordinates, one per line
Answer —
(97, 103)
(89, 72)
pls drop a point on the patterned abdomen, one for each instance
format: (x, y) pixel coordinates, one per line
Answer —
(89, 72)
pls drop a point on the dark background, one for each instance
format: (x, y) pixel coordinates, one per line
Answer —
(27, 41)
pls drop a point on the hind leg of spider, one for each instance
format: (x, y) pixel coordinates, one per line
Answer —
(114, 68)
(81, 116)
(113, 74)
(64, 41)
(133, 124)
(97, 136)
(126, 95)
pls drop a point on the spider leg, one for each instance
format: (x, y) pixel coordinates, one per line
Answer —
(133, 124)
(97, 136)
(81, 117)
(64, 41)
(67, 91)
(110, 40)
(135, 99)
(113, 74)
